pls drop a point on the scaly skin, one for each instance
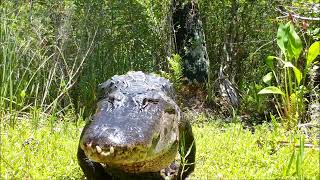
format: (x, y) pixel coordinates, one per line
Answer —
(136, 131)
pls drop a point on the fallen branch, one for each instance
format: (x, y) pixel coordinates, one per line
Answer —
(285, 14)
(308, 145)
(308, 125)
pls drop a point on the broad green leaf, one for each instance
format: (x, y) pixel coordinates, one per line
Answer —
(271, 90)
(295, 44)
(313, 52)
(288, 41)
(267, 78)
(296, 71)
(282, 38)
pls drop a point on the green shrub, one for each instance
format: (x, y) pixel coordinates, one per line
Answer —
(175, 74)
(290, 87)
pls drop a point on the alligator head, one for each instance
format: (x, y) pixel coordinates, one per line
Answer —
(136, 125)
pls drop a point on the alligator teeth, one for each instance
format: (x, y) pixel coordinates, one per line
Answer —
(105, 153)
(99, 150)
(111, 150)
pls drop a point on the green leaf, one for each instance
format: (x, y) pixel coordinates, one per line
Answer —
(295, 44)
(296, 71)
(301, 149)
(282, 38)
(257, 87)
(270, 60)
(267, 78)
(288, 41)
(274, 122)
(271, 90)
(316, 31)
(313, 52)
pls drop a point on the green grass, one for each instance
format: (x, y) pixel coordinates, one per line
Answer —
(230, 151)
(46, 148)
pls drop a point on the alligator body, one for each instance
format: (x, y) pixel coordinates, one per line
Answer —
(137, 132)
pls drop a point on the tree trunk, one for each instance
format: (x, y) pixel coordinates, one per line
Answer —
(190, 40)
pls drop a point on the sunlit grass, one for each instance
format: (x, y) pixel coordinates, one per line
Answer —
(230, 151)
(40, 152)
(48, 150)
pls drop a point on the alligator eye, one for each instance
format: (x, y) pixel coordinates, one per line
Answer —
(116, 96)
(146, 101)
(111, 99)
(170, 110)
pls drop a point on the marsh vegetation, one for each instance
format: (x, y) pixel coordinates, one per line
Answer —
(255, 116)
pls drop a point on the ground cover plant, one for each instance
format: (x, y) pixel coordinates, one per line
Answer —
(223, 150)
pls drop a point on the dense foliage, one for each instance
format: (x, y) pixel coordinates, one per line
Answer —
(54, 53)
(63, 49)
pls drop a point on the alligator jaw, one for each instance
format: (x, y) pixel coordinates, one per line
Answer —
(117, 157)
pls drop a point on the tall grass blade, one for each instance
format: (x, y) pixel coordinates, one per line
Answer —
(290, 163)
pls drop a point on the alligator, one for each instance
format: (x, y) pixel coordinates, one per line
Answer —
(137, 132)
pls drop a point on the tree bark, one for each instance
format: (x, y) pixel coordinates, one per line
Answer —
(190, 40)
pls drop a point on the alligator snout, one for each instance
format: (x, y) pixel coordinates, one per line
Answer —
(117, 144)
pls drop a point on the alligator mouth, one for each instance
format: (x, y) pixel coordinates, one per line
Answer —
(132, 160)
(114, 154)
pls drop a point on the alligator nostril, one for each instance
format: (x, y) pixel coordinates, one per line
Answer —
(111, 99)
(88, 145)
